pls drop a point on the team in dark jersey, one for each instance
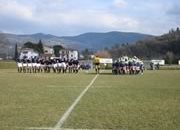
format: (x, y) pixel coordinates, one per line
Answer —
(56, 65)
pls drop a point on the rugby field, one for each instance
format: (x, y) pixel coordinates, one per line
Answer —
(139, 102)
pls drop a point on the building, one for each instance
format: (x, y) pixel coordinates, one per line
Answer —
(27, 53)
(48, 50)
(68, 54)
(160, 62)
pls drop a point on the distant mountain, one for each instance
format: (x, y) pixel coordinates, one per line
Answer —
(21, 39)
(94, 41)
(102, 40)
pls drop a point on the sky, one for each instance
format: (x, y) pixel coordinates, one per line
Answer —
(73, 17)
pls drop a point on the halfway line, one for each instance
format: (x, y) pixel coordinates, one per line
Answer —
(70, 109)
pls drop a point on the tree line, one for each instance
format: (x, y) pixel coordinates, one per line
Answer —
(165, 47)
(39, 47)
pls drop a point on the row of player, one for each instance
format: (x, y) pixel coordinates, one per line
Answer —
(123, 65)
(46, 65)
(126, 65)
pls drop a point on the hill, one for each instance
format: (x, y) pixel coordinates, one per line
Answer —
(102, 40)
(88, 40)
(165, 47)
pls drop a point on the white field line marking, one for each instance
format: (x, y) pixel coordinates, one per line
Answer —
(46, 128)
(39, 128)
(70, 109)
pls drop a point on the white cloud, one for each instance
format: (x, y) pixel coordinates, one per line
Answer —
(92, 18)
(15, 9)
(74, 17)
(96, 20)
(119, 3)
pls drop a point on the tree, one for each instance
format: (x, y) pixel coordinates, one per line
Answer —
(169, 57)
(40, 47)
(15, 52)
(165, 46)
(86, 53)
(37, 47)
(29, 45)
(56, 49)
(177, 29)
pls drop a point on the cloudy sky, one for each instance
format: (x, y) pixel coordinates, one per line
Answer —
(72, 17)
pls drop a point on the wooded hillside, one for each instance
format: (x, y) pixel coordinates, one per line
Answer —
(165, 47)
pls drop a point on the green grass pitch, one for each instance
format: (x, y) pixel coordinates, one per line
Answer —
(139, 102)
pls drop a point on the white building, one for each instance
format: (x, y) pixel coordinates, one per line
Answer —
(27, 53)
(68, 54)
(48, 50)
(160, 62)
(106, 60)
